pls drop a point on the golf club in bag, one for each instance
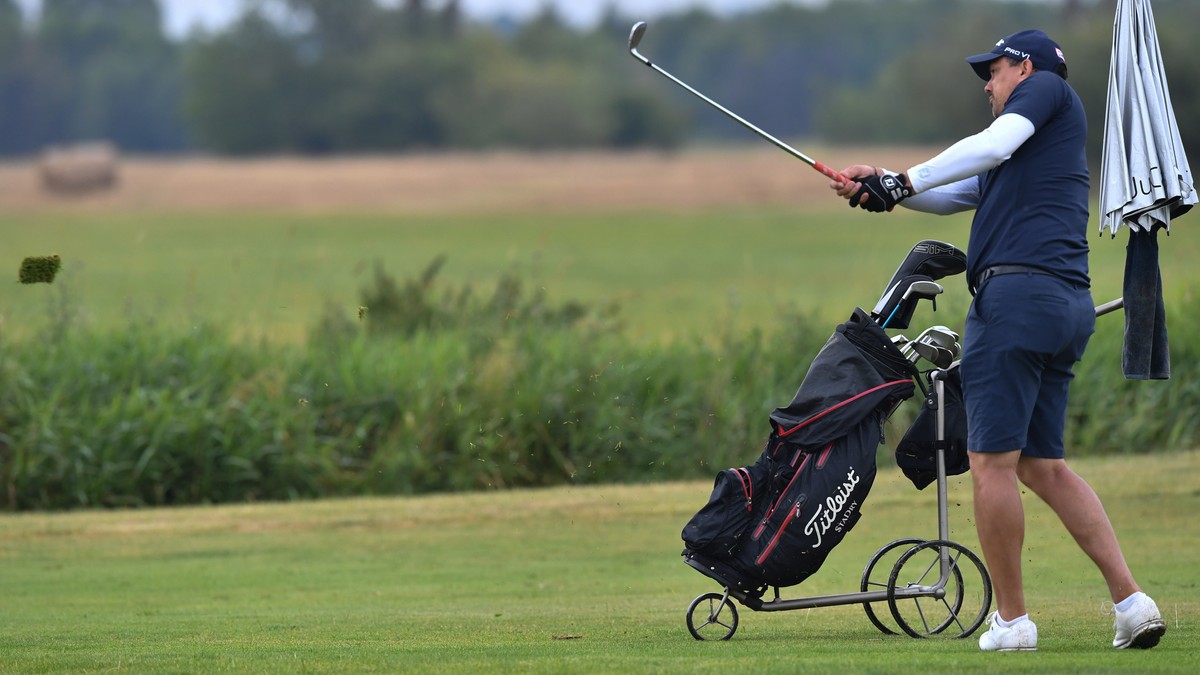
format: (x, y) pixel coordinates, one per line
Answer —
(773, 523)
(927, 262)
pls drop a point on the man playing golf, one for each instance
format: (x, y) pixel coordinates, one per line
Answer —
(1026, 177)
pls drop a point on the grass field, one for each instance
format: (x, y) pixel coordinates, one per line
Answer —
(564, 580)
(686, 244)
(581, 580)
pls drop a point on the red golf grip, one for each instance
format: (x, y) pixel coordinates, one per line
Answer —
(836, 175)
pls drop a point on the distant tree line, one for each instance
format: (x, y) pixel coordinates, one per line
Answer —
(336, 76)
(89, 69)
(351, 75)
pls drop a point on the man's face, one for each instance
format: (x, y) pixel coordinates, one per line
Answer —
(1005, 77)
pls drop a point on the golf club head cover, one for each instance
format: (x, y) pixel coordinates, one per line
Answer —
(883, 193)
(937, 259)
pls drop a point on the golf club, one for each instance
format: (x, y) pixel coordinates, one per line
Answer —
(635, 39)
(906, 348)
(936, 344)
(910, 351)
(921, 290)
(944, 339)
(936, 356)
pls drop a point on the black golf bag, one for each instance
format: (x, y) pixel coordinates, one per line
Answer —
(774, 522)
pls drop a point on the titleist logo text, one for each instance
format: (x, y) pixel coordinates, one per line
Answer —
(826, 514)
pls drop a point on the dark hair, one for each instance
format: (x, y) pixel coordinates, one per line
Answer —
(1060, 69)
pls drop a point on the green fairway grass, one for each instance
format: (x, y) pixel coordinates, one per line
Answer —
(563, 580)
(675, 275)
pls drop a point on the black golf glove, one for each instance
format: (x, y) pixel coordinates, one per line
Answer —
(883, 193)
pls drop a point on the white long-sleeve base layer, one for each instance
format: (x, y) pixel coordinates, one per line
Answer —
(949, 182)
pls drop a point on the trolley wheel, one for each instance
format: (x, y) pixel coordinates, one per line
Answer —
(712, 616)
(876, 575)
(957, 599)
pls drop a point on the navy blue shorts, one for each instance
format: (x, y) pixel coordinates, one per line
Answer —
(1023, 335)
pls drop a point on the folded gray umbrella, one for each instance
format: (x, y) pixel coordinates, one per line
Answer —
(1145, 181)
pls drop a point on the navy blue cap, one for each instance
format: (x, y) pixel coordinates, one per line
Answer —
(1027, 44)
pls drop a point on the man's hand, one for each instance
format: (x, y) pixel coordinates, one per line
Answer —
(855, 173)
(882, 193)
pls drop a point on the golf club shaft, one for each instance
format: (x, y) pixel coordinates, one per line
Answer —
(635, 38)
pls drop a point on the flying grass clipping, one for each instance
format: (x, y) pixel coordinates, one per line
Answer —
(39, 269)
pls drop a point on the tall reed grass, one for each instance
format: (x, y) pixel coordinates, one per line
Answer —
(438, 389)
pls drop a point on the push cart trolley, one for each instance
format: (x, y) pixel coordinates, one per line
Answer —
(932, 587)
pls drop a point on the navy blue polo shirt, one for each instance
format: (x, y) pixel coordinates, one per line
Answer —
(1033, 208)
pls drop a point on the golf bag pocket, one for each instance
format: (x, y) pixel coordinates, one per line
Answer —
(814, 511)
(716, 529)
(916, 454)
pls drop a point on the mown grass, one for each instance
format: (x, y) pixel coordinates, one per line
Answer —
(567, 579)
(487, 581)
(675, 275)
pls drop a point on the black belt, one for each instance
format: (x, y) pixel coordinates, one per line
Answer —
(997, 270)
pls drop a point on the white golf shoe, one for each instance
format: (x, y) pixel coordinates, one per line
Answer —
(1141, 626)
(1021, 636)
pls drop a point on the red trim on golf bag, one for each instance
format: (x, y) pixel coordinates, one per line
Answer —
(743, 476)
(895, 383)
(819, 505)
(738, 498)
(771, 511)
(795, 508)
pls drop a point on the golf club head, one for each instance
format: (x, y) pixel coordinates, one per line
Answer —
(944, 357)
(905, 347)
(635, 38)
(923, 289)
(938, 345)
(635, 35)
(925, 351)
(942, 337)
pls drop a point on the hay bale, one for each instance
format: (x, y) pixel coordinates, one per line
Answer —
(82, 167)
